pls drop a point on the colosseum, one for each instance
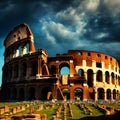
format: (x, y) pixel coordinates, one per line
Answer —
(30, 74)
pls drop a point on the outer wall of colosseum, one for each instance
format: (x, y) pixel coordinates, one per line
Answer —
(30, 74)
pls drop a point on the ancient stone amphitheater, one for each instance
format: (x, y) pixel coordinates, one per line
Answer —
(30, 74)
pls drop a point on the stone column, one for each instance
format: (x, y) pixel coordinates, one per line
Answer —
(17, 52)
(96, 95)
(24, 50)
(105, 97)
(31, 45)
(72, 97)
(104, 78)
(85, 75)
(54, 91)
(94, 79)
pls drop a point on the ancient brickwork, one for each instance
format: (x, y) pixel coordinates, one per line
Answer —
(33, 75)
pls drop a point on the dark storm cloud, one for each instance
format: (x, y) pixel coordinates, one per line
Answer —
(60, 23)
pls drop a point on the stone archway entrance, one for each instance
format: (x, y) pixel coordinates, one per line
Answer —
(100, 94)
(46, 93)
(66, 93)
(78, 93)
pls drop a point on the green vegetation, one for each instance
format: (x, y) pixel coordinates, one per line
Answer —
(72, 111)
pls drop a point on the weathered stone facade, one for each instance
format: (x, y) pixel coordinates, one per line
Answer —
(33, 75)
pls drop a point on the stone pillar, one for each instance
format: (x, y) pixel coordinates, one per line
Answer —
(54, 91)
(72, 97)
(111, 95)
(31, 46)
(105, 96)
(24, 50)
(17, 52)
(96, 95)
(104, 78)
(110, 77)
(94, 79)
(85, 75)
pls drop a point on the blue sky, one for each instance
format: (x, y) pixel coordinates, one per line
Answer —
(60, 25)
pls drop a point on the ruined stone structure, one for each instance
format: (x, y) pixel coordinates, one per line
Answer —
(30, 74)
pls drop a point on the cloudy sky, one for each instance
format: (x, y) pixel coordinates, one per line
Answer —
(60, 25)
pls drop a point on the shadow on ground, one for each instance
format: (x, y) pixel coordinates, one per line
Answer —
(115, 116)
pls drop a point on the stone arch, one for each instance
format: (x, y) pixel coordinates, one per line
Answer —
(31, 93)
(90, 77)
(46, 93)
(78, 93)
(99, 76)
(81, 72)
(64, 68)
(108, 92)
(66, 93)
(100, 93)
(107, 78)
(21, 94)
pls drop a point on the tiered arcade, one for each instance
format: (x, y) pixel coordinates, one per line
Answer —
(77, 75)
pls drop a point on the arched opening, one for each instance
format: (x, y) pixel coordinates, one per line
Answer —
(114, 94)
(107, 78)
(66, 93)
(99, 76)
(113, 80)
(31, 93)
(108, 94)
(100, 94)
(33, 68)
(64, 70)
(21, 94)
(24, 69)
(78, 93)
(81, 72)
(90, 78)
(53, 70)
(46, 93)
